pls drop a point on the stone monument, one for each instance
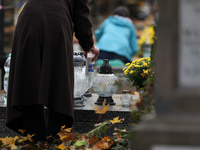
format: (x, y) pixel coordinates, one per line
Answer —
(176, 125)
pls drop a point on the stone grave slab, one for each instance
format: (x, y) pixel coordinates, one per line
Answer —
(85, 117)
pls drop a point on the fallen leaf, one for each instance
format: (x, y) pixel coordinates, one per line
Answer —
(7, 140)
(62, 147)
(135, 93)
(103, 144)
(93, 140)
(21, 131)
(65, 134)
(80, 143)
(68, 129)
(64, 138)
(106, 138)
(13, 147)
(29, 137)
(95, 147)
(98, 109)
(119, 138)
(116, 120)
(72, 147)
(15, 138)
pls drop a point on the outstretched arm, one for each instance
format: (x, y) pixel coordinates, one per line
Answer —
(95, 51)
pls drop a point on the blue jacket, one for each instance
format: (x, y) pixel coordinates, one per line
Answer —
(118, 35)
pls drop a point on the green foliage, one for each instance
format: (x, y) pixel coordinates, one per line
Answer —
(80, 143)
(101, 127)
(146, 103)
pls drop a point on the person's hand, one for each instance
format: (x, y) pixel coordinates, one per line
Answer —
(94, 50)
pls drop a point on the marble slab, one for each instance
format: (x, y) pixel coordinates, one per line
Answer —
(90, 103)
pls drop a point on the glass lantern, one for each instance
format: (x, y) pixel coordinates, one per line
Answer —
(81, 81)
(104, 84)
(126, 98)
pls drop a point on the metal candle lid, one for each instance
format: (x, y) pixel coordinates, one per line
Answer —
(126, 91)
(79, 59)
(105, 67)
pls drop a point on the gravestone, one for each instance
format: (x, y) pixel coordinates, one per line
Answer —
(176, 124)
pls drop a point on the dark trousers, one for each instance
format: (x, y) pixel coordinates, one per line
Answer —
(111, 56)
(34, 122)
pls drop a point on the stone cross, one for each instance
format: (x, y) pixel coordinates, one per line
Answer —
(176, 124)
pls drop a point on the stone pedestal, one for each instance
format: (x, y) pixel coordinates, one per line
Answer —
(168, 130)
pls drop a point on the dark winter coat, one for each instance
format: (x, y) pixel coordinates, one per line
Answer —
(42, 70)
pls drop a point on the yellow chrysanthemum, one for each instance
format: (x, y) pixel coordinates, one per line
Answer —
(145, 71)
(126, 71)
(131, 72)
(143, 58)
(135, 61)
(142, 39)
(137, 66)
(130, 66)
(144, 64)
(127, 64)
(147, 36)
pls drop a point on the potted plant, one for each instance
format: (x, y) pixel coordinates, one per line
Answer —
(137, 72)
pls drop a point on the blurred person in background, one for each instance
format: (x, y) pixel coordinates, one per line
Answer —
(42, 70)
(116, 38)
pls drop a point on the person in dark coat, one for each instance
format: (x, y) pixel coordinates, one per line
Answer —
(42, 70)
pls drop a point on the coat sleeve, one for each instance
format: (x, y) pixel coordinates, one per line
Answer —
(82, 24)
(133, 41)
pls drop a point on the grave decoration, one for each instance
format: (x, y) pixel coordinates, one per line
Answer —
(81, 81)
(105, 84)
(137, 72)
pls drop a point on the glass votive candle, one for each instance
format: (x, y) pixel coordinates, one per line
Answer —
(126, 98)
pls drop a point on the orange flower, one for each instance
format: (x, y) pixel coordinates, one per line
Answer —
(142, 74)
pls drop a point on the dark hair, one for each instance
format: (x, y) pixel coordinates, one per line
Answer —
(122, 11)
